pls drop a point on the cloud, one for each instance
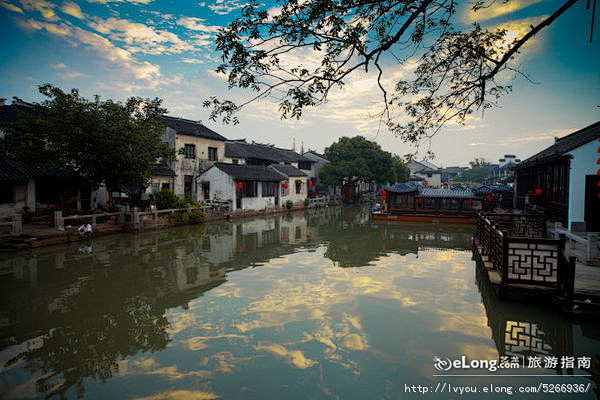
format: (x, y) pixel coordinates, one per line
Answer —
(102, 46)
(59, 66)
(497, 9)
(43, 7)
(192, 61)
(181, 395)
(477, 144)
(223, 7)
(72, 9)
(70, 75)
(142, 38)
(121, 1)
(197, 24)
(11, 7)
(293, 357)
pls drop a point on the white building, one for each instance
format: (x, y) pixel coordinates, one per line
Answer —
(424, 171)
(565, 179)
(197, 148)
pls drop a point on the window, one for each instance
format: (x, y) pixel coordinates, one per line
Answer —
(429, 175)
(235, 161)
(155, 188)
(189, 151)
(249, 189)
(212, 154)
(304, 165)
(298, 187)
(165, 185)
(268, 189)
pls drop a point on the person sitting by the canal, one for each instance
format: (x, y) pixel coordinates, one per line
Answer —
(86, 229)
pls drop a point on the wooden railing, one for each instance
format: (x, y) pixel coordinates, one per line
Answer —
(524, 259)
(520, 225)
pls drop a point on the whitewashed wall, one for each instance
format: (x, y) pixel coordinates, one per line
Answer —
(583, 163)
(221, 185)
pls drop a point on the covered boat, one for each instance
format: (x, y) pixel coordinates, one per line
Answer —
(408, 202)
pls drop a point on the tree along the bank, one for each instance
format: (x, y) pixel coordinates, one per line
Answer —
(101, 141)
(402, 170)
(478, 173)
(298, 51)
(357, 159)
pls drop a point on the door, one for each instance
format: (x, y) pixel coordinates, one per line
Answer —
(206, 190)
(187, 185)
(592, 203)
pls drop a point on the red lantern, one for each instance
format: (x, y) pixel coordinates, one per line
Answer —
(425, 183)
(285, 185)
(420, 200)
(383, 192)
(470, 202)
(309, 183)
(489, 197)
(538, 192)
(240, 185)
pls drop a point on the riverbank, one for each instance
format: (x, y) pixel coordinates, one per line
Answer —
(36, 235)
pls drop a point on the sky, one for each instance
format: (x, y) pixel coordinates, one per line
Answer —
(166, 49)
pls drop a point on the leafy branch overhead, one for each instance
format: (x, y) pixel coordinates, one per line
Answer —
(457, 71)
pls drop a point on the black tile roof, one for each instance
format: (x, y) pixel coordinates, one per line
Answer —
(402, 188)
(250, 172)
(262, 152)
(562, 146)
(190, 128)
(163, 171)
(446, 194)
(10, 170)
(288, 170)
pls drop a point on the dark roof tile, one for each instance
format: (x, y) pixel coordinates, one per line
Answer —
(190, 128)
(250, 172)
(288, 170)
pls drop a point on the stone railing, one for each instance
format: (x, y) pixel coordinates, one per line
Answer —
(15, 224)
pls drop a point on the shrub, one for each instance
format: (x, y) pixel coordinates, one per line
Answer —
(179, 218)
(196, 217)
(289, 204)
(166, 199)
(306, 202)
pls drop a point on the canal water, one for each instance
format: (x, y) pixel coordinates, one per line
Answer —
(319, 305)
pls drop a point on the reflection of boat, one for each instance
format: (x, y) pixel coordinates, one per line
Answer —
(406, 202)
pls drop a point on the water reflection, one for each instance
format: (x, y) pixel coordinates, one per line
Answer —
(259, 309)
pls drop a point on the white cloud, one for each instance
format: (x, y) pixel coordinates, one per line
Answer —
(197, 24)
(223, 7)
(11, 7)
(120, 1)
(497, 9)
(142, 38)
(192, 61)
(59, 66)
(71, 75)
(72, 9)
(43, 7)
